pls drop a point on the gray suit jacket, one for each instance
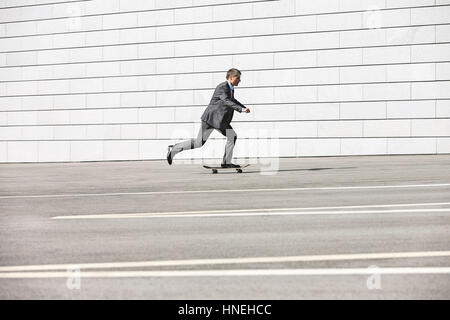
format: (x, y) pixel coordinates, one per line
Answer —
(221, 108)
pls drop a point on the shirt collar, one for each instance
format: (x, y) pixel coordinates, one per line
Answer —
(230, 85)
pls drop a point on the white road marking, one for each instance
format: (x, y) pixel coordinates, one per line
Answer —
(223, 191)
(216, 212)
(236, 213)
(229, 273)
(248, 260)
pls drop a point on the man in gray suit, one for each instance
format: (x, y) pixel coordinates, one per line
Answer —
(218, 115)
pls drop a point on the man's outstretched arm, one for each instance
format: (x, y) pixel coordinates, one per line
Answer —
(244, 108)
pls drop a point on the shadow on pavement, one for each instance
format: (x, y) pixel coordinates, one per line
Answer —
(284, 170)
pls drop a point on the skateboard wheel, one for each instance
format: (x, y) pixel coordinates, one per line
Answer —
(239, 170)
(214, 171)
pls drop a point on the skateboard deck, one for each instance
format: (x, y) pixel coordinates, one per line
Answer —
(216, 169)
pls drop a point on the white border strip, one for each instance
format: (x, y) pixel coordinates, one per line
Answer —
(222, 191)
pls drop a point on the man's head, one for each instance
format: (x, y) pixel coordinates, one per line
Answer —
(234, 77)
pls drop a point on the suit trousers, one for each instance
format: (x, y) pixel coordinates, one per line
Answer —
(203, 135)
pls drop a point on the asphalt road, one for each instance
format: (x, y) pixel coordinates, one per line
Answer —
(146, 230)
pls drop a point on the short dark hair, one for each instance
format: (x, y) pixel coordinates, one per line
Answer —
(233, 72)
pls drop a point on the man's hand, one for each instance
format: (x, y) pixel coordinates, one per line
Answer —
(246, 110)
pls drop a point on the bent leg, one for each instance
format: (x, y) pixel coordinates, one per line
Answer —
(203, 135)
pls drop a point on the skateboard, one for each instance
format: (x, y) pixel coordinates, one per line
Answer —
(216, 169)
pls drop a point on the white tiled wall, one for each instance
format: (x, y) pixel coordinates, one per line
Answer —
(93, 80)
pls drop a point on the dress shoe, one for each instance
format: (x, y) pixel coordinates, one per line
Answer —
(169, 155)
